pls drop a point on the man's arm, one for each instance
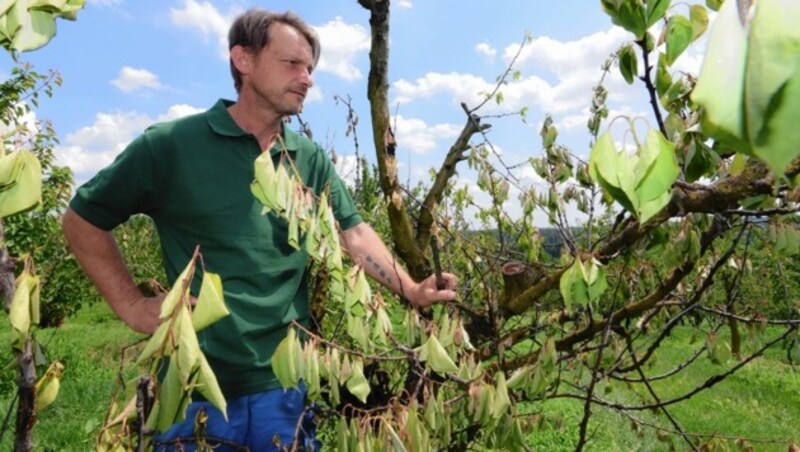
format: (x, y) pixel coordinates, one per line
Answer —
(98, 254)
(366, 247)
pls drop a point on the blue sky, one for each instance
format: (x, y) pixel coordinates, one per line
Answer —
(126, 64)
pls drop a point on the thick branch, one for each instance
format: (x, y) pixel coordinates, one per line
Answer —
(448, 169)
(383, 136)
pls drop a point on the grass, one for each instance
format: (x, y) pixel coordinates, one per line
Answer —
(89, 346)
(759, 402)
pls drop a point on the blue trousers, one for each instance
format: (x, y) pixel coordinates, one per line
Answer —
(256, 422)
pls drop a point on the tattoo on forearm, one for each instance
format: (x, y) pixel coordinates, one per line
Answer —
(386, 276)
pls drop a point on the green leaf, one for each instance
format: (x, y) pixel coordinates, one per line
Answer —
(22, 190)
(209, 387)
(572, 285)
(284, 360)
(720, 86)
(19, 314)
(628, 14)
(656, 171)
(655, 11)
(187, 353)
(210, 305)
(178, 292)
(436, 357)
(171, 398)
(699, 18)
(678, 37)
(663, 77)
(772, 93)
(502, 402)
(604, 168)
(357, 384)
(714, 4)
(598, 284)
(628, 63)
(155, 342)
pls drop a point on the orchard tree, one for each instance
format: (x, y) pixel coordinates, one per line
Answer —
(671, 237)
(27, 26)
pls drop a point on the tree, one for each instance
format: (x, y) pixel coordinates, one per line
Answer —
(25, 27)
(669, 237)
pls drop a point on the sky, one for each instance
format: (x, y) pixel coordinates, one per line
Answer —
(127, 64)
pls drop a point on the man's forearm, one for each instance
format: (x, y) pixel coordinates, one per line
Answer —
(369, 251)
(97, 252)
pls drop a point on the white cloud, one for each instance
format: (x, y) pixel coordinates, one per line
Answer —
(565, 73)
(485, 50)
(418, 137)
(346, 167)
(462, 87)
(341, 43)
(204, 17)
(405, 4)
(132, 79)
(314, 95)
(93, 147)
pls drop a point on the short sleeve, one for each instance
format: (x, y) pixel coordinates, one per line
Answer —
(126, 187)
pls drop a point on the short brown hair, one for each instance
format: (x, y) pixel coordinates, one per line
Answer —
(251, 30)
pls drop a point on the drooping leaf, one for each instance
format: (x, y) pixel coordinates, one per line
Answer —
(663, 77)
(720, 86)
(772, 94)
(23, 189)
(628, 14)
(357, 384)
(436, 357)
(628, 63)
(655, 11)
(284, 361)
(699, 18)
(210, 305)
(678, 37)
(178, 292)
(209, 387)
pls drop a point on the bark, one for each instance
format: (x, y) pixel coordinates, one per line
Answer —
(409, 245)
(383, 137)
(26, 382)
(6, 271)
(26, 412)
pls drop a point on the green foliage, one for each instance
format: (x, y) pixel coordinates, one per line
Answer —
(641, 183)
(749, 87)
(28, 25)
(37, 232)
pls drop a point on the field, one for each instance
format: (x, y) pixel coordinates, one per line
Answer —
(760, 404)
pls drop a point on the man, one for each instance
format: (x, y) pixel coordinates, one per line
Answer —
(192, 176)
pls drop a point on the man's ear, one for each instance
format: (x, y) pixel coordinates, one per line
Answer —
(242, 59)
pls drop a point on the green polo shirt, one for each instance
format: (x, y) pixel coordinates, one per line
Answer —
(192, 177)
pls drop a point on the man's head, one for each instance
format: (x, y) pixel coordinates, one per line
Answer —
(251, 31)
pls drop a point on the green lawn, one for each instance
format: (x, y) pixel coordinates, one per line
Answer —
(760, 402)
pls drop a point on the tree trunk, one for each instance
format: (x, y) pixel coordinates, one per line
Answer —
(26, 391)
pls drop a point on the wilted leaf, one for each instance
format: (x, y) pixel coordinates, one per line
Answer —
(357, 384)
(628, 63)
(678, 36)
(22, 190)
(210, 305)
(720, 86)
(772, 93)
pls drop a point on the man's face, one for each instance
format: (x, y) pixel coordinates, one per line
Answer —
(281, 75)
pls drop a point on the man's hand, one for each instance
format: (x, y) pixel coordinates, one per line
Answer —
(142, 314)
(426, 293)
